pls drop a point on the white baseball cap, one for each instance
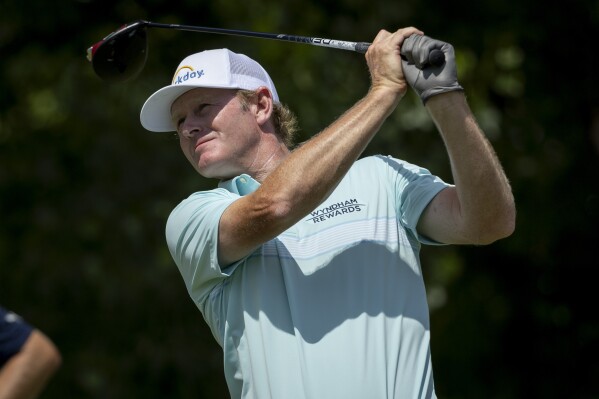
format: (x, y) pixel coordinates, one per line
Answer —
(219, 68)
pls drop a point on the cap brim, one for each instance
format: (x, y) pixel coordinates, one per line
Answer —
(155, 114)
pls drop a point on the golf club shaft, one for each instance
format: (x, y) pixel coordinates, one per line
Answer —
(122, 54)
(359, 47)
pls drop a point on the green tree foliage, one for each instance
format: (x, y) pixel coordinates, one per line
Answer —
(85, 191)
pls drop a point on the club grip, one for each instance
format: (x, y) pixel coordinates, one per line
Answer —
(435, 58)
(361, 47)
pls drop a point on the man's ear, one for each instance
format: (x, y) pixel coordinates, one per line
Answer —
(264, 104)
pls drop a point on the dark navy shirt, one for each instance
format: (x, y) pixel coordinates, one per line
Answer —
(14, 331)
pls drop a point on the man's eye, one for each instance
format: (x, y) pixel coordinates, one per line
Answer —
(201, 108)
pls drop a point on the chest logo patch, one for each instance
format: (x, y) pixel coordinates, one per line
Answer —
(334, 210)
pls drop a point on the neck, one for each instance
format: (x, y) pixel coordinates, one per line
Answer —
(268, 163)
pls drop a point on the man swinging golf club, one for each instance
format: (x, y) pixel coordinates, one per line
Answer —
(304, 261)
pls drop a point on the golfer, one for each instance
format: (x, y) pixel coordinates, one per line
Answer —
(304, 261)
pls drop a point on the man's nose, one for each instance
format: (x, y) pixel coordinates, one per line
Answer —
(189, 130)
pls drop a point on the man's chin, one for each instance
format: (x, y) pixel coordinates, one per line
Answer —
(215, 173)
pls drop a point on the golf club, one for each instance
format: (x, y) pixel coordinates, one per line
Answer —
(122, 54)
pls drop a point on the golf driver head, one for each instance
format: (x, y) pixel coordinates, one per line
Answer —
(122, 54)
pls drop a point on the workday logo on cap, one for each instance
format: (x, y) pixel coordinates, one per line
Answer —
(186, 73)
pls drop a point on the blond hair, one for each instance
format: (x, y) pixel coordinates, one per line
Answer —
(283, 119)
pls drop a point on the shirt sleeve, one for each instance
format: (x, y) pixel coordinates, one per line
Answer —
(414, 187)
(14, 331)
(192, 239)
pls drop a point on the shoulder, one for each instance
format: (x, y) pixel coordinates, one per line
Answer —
(382, 161)
(394, 167)
(201, 206)
(386, 165)
(212, 194)
(203, 199)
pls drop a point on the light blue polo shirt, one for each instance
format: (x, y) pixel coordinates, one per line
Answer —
(334, 307)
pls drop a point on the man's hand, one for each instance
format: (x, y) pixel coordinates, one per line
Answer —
(428, 80)
(384, 60)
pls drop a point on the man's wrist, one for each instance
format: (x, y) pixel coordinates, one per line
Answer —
(445, 102)
(386, 95)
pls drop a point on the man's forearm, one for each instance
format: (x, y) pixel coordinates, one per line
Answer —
(484, 192)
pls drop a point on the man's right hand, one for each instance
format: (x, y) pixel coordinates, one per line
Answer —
(384, 60)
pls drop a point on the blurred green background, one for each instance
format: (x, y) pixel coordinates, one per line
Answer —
(85, 191)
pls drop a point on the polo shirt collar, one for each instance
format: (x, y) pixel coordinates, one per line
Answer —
(242, 184)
